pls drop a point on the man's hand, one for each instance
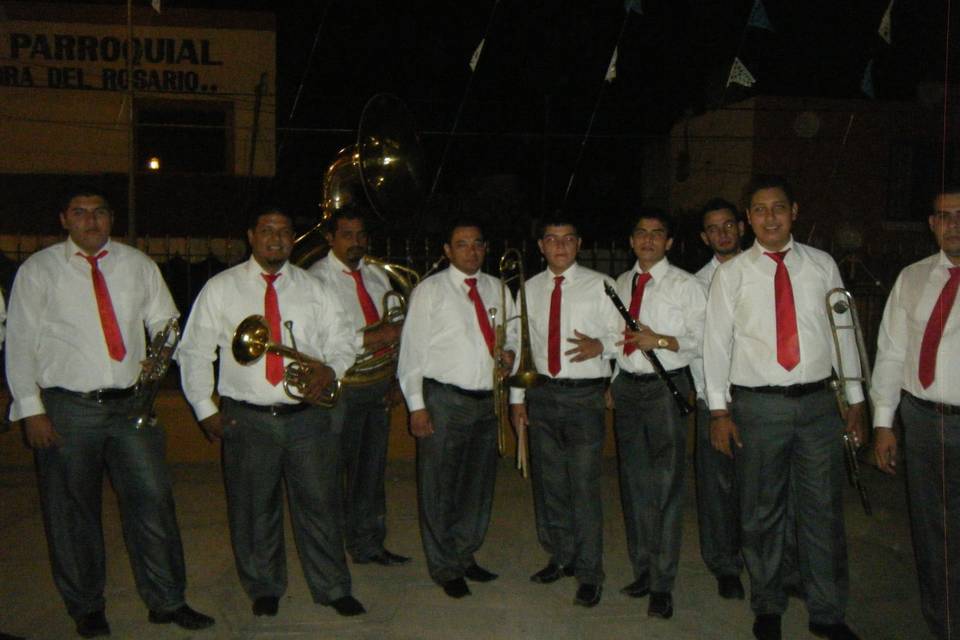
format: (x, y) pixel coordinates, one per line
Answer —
(319, 380)
(885, 449)
(40, 432)
(421, 425)
(518, 417)
(856, 423)
(213, 426)
(507, 359)
(586, 348)
(643, 339)
(722, 431)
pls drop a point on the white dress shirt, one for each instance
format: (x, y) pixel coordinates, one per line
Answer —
(3, 317)
(904, 321)
(54, 330)
(319, 326)
(740, 340)
(441, 336)
(674, 304)
(705, 276)
(586, 308)
(337, 280)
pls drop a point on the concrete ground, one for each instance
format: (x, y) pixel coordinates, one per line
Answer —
(404, 603)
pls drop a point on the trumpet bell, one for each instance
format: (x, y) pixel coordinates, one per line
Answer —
(250, 339)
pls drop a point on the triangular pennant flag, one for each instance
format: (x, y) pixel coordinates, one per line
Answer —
(866, 85)
(884, 28)
(612, 67)
(156, 5)
(633, 5)
(739, 74)
(476, 55)
(759, 18)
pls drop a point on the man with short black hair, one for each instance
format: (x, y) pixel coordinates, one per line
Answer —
(361, 415)
(917, 370)
(768, 358)
(573, 332)
(270, 438)
(668, 304)
(75, 348)
(446, 373)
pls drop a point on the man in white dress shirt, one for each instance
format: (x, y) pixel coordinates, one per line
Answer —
(768, 355)
(75, 343)
(573, 332)
(717, 512)
(446, 374)
(270, 439)
(362, 413)
(918, 368)
(668, 304)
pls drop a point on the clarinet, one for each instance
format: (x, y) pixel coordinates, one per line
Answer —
(682, 404)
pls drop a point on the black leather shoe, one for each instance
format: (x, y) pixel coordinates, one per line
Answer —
(93, 624)
(588, 595)
(385, 558)
(638, 588)
(551, 573)
(456, 588)
(767, 627)
(839, 631)
(347, 606)
(478, 574)
(266, 606)
(730, 588)
(184, 617)
(7, 636)
(661, 605)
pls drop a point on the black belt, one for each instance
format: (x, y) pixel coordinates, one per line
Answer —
(100, 395)
(942, 409)
(576, 383)
(273, 409)
(789, 391)
(476, 394)
(651, 377)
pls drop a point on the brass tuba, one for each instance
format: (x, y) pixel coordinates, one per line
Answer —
(252, 339)
(526, 375)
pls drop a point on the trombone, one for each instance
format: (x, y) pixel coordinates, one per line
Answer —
(526, 375)
(840, 304)
(252, 339)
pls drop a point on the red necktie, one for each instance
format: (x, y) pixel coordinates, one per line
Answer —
(108, 319)
(271, 312)
(788, 341)
(370, 313)
(553, 333)
(482, 319)
(640, 281)
(934, 330)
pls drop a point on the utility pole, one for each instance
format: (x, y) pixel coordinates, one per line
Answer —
(131, 141)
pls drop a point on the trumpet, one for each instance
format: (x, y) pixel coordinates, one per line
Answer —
(252, 339)
(159, 355)
(839, 303)
(526, 375)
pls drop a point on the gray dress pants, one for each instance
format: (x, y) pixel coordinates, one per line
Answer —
(651, 449)
(932, 459)
(792, 443)
(718, 512)
(361, 418)
(456, 471)
(566, 444)
(260, 452)
(97, 438)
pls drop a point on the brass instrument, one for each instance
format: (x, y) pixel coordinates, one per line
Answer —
(840, 302)
(252, 339)
(526, 375)
(159, 355)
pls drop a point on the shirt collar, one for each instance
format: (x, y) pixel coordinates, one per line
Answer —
(254, 269)
(339, 265)
(656, 271)
(944, 262)
(758, 249)
(71, 249)
(457, 277)
(568, 276)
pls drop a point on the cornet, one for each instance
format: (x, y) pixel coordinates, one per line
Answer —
(252, 339)
(839, 303)
(159, 355)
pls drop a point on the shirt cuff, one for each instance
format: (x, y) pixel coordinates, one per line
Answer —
(883, 417)
(26, 407)
(415, 403)
(204, 409)
(717, 401)
(517, 396)
(854, 392)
